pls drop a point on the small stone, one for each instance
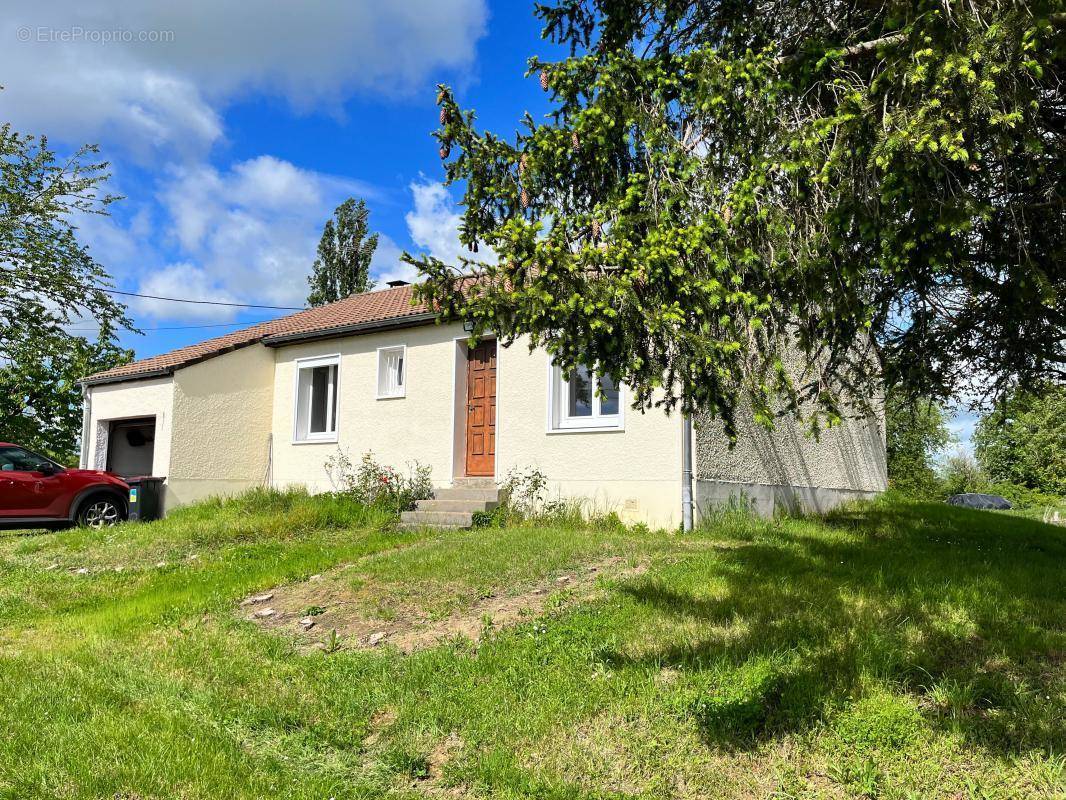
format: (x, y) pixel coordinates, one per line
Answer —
(52, 566)
(538, 591)
(160, 564)
(263, 613)
(563, 579)
(257, 598)
(307, 623)
(315, 577)
(119, 568)
(376, 638)
(81, 571)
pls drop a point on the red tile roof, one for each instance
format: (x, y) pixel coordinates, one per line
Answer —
(362, 309)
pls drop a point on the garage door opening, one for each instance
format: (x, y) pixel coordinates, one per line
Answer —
(131, 447)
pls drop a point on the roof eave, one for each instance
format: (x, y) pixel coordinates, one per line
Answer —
(136, 376)
(410, 321)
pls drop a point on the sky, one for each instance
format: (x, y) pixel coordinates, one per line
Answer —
(232, 136)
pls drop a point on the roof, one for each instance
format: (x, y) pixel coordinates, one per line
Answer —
(361, 313)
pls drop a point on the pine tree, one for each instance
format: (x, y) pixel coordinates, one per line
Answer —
(722, 190)
(344, 253)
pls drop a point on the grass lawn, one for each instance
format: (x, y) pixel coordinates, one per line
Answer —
(893, 650)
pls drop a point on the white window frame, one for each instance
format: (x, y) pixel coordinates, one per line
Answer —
(383, 353)
(558, 402)
(333, 404)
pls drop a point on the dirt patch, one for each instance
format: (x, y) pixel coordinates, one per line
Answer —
(312, 610)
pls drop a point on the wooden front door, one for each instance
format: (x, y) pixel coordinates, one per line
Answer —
(481, 409)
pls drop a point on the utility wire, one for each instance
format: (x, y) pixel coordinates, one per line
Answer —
(188, 327)
(200, 302)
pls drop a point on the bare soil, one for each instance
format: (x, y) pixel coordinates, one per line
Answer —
(339, 607)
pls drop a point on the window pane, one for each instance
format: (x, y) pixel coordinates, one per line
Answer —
(333, 398)
(579, 400)
(399, 372)
(319, 397)
(609, 398)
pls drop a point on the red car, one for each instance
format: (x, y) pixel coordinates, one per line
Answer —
(36, 492)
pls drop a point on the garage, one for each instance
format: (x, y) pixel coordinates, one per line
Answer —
(131, 446)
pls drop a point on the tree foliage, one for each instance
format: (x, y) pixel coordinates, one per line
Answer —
(916, 430)
(40, 397)
(48, 279)
(720, 185)
(344, 254)
(1023, 440)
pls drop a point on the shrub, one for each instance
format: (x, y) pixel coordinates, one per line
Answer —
(963, 474)
(915, 429)
(377, 485)
(1023, 440)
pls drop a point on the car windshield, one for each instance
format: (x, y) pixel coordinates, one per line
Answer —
(18, 459)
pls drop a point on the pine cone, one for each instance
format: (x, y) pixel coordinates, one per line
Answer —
(523, 162)
(544, 84)
(597, 229)
(444, 116)
(445, 151)
(525, 199)
(575, 141)
(727, 214)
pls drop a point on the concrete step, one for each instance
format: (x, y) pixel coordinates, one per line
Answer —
(439, 503)
(474, 483)
(417, 526)
(458, 519)
(459, 493)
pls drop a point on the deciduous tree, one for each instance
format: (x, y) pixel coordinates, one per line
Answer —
(47, 277)
(344, 254)
(40, 397)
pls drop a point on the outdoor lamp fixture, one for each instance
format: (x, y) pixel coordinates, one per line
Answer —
(468, 326)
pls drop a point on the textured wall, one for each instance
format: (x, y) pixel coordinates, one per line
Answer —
(147, 398)
(849, 456)
(222, 424)
(397, 430)
(635, 472)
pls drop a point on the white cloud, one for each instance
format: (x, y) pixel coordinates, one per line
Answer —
(433, 224)
(183, 280)
(386, 265)
(246, 234)
(153, 76)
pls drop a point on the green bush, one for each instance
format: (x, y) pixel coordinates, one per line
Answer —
(380, 486)
(915, 430)
(1023, 441)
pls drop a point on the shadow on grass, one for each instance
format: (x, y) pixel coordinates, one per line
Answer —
(964, 610)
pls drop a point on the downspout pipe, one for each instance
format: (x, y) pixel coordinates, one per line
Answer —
(86, 418)
(686, 473)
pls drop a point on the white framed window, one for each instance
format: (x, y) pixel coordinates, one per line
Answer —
(317, 390)
(575, 404)
(392, 372)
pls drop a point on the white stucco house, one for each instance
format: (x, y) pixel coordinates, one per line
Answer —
(268, 405)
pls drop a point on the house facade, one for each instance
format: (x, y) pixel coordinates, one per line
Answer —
(269, 405)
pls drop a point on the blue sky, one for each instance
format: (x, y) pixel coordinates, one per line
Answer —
(233, 135)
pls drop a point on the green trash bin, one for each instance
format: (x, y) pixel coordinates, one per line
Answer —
(146, 498)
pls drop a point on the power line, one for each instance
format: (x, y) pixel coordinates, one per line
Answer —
(201, 302)
(187, 327)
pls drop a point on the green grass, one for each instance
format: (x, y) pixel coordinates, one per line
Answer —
(894, 650)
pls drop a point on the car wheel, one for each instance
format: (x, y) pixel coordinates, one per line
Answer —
(101, 511)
